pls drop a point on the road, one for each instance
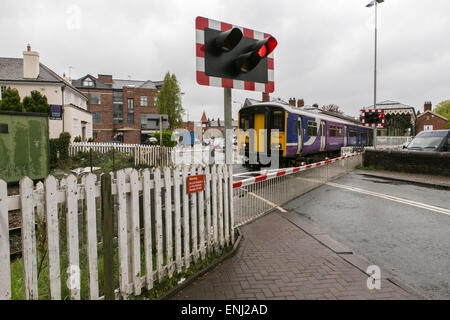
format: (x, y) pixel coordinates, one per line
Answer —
(403, 228)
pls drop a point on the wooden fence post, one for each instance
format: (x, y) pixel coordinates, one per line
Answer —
(108, 255)
(5, 274)
(28, 240)
(51, 206)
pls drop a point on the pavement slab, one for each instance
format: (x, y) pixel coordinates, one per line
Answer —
(277, 260)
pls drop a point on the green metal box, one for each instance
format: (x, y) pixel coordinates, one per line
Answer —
(24, 145)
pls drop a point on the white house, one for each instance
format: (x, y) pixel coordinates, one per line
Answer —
(69, 105)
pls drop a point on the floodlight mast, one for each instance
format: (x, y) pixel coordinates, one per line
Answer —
(375, 4)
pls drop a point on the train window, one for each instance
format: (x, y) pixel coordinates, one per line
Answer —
(245, 123)
(294, 126)
(353, 133)
(333, 131)
(312, 128)
(278, 120)
(339, 132)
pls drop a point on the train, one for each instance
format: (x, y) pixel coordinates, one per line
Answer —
(305, 135)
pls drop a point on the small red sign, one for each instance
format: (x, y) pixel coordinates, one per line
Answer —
(195, 184)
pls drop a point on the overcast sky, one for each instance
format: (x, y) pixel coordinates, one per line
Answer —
(325, 47)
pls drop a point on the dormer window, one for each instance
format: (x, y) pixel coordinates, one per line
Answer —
(88, 82)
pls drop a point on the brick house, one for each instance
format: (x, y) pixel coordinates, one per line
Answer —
(122, 110)
(429, 120)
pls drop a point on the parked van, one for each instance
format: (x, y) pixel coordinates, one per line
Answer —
(437, 141)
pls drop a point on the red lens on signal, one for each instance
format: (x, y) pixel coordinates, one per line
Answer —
(262, 51)
(271, 44)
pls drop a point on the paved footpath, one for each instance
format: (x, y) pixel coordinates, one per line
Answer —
(277, 260)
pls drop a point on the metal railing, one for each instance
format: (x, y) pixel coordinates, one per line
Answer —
(257, 196)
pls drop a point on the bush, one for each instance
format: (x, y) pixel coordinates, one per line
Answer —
(36, 102)
(60, 144)
(167, 138)
(11, 100)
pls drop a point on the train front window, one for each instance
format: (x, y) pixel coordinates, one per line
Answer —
(245, 123)
(277, 121)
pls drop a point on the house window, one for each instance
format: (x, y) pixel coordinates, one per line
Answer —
(144, 101)
(95, 98)
(130, 111)
(117, 107)
(118, 113)
(312, 128)
(88, 82)
(97, 117)
(428, 128)
(155, 101)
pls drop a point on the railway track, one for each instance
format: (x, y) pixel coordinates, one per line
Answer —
(15, 241)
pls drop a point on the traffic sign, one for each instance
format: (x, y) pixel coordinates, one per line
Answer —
(195, 184)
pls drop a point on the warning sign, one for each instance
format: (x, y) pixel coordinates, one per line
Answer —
(195, 184)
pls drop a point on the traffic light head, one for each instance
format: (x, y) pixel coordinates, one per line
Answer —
(374, 118)
(227, 41)
(234, 57)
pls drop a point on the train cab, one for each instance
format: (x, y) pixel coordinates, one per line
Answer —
(262, 129)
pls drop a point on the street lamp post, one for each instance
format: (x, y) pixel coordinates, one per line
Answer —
(375, 4)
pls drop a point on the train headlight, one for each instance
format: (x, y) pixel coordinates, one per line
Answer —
(276, 146)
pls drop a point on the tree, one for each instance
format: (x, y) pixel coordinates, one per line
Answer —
(332, 108)
(443, 109)
(169, 100)
(11, 100)
(36, 102)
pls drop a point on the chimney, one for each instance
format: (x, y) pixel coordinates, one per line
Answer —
(30, 64)
(265, 97)
(300, 103)
(427, 106)
(292, 102)
(66, 78)
(105, 78)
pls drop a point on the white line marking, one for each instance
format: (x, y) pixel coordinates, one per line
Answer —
(392, 198)
(266, 201)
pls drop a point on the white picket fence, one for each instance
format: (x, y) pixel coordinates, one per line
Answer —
(103, 147)
(153, 156)
(183, 228)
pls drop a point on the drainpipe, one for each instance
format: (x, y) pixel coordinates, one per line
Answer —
(62, 107)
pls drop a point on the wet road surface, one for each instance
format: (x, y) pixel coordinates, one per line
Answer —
(401, 227)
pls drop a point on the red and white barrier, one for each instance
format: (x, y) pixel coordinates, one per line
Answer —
(286, 172)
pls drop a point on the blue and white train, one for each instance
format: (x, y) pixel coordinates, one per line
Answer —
(304, 134)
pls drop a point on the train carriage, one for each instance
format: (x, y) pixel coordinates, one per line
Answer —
(298, 135)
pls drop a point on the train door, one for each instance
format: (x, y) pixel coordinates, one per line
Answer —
(323, 136)
(300, 135)
(259, 146)
(345, 136)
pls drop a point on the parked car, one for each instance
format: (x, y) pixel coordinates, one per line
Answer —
(432, 141)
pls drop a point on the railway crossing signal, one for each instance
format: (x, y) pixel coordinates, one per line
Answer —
(234, 57)
(373, 118)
